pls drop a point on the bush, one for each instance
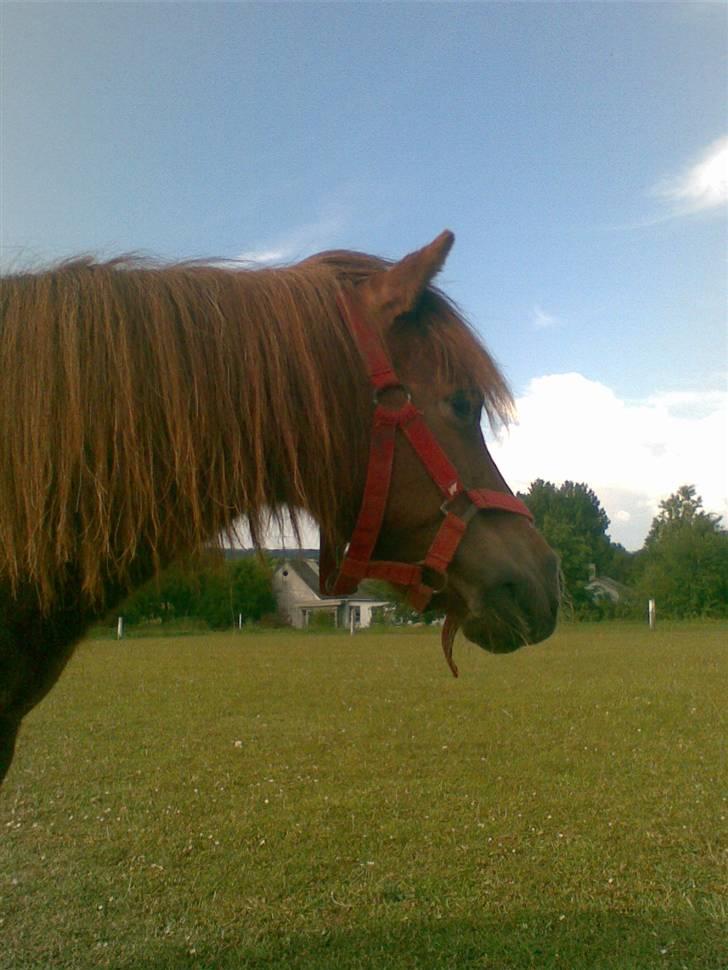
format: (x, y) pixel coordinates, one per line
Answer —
(321, 620)
(208, 589)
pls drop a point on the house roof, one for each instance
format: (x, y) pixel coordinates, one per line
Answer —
(304, 568)
(272, 553)
(607, 585)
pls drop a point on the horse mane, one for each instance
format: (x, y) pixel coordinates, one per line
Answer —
(145, 406)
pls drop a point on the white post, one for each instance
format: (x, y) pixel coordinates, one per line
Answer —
(240, 621)
(120, 628)
(651, 612)
(352, 620)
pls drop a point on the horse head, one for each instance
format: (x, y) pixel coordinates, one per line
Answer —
(447, 512)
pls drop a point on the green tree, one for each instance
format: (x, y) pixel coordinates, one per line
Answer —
(573, 522)
(178, 590)
(621, 564)
(684, 564)
(208, 589)
(684, 508)
(251, 590)
(214, 603)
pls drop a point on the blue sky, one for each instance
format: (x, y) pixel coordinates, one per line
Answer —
(578, 151)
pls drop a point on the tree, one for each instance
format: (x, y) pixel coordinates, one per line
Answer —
(684, 508)
(620, 564)
(208, 589)
(684, 564)
(573, 522)
(251, 590)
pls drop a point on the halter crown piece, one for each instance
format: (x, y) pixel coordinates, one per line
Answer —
(357, 563)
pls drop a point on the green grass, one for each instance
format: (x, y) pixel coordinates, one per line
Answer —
(334, 802)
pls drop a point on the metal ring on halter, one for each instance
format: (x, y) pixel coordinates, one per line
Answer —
(467, 515)
(391, 387)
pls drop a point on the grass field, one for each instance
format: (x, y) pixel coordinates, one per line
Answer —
(284, 801)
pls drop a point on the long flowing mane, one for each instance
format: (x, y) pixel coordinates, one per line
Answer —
(144, 407)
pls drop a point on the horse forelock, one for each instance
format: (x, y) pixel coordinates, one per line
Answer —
(144, 407)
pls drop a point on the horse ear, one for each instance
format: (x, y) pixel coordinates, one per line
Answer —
(397, 290)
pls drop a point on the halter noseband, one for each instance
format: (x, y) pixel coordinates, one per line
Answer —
(357, 563)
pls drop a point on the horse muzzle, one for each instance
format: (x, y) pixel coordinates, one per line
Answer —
(503, 617)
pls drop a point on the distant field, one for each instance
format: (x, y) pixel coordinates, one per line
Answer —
(330, 803)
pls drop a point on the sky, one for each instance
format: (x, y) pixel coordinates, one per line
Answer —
(579, 151)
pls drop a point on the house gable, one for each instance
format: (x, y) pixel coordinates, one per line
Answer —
(296, 588)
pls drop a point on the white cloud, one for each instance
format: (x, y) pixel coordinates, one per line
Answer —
(703, 185)
(301, 241)
(631, 453)
(541, 319)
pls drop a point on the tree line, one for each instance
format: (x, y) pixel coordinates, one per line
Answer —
(683, 563)
(217, 592)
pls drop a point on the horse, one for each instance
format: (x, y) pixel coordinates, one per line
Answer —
(146, 407)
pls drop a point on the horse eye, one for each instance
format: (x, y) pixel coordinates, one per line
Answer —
(464, 406)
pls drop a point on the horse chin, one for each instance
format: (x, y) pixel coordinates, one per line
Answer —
(497, 628)
(494, 634)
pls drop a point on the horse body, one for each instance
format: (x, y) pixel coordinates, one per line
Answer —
(147, 408)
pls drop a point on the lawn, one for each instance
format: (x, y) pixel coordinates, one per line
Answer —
(322, 801)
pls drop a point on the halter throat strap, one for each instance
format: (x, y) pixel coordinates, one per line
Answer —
(357, 562)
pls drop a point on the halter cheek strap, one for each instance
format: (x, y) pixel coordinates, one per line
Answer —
(357, 563)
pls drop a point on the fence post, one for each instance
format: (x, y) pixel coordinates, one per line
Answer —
(651, 613)
(120, 628)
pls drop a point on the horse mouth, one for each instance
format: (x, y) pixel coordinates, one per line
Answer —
(500, 625)
(495, 635)
(474, 632)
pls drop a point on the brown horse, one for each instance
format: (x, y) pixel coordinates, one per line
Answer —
(144, 408)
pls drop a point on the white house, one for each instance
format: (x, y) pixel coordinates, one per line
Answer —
(604, 587)
(296, 589)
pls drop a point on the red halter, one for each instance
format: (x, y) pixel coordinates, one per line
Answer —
(357, 563)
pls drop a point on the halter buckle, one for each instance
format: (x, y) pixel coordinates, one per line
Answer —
(469, 512)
